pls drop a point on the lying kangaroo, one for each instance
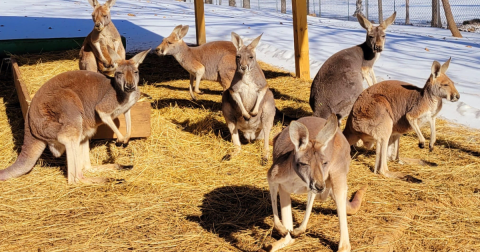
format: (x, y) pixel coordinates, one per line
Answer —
(248, 105)
(311, 156)
(340, 79)
(385, 111)
(213, 61)
(66, 111)
(94, 54)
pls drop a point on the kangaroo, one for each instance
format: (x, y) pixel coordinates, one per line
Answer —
(64, 115)
(248, 105)
(311, 156)
(94, 54)
(340, 79)
(213, 61)
(385, 111)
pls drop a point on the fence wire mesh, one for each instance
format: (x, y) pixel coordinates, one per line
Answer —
(419, 11)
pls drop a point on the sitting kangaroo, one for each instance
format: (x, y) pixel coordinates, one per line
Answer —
(385, 111)
(340, 79)
(248, 105)
(213, 61)
(311, 156)
(94, 54)
(66, 111)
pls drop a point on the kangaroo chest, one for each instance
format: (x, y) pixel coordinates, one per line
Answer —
(248, 90)
(126, 105)
(434, 107)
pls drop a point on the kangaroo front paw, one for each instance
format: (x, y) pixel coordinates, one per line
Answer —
(198, 91)
(431, 147)
(421, 145)
(254, 113)
(246, 117)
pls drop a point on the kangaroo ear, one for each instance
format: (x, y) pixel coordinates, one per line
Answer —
(138, 59)
(237, 41)
(389, 20)
(445, 65)
(364, 22)
(93, 3)
(298, 135)
(182, 32)
(436, 67)
(113, 55)
(110, 3)
(176, 30)
(255, 42)
(328, 131)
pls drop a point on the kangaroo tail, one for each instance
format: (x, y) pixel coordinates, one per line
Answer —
(280, 116)
(31, 150)
(354, 205)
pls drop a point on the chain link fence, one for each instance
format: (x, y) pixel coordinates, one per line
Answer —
(419, 11)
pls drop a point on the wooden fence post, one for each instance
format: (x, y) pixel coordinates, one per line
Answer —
(300, 34)
(200, 22)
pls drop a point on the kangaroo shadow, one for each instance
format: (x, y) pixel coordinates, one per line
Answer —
(156, 69)
(205, 126)
(454, 145)
(275, 74)
(229, 210)
(187, 103)
(205, 91)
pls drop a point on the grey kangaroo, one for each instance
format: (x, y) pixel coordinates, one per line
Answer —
(213, 61)
(94, 54)
(389, 109)
(65, 115)
(311, 156)
(340, 79)
(248, 105)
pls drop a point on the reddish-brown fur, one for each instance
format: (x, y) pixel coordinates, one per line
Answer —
(213, 61)
(66, 111)
(94, 54)
(311, 156)
(385, 111)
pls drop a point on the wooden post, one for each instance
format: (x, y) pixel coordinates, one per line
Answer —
(300, 34)
(200, 22)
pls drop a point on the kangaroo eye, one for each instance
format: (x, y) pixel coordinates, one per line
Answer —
(370, 36)
(445, 85)
(104, 16)
(383, 36)
(169, 42)
(136, 72)
(251, 57)
(119, 73)
(238, 56)
(324, 164)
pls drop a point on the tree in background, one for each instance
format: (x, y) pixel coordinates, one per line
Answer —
(380, 12)
(308, 7)
(450, 21)
(246, 4)
(359, 8)
(232, 3)
(283, 6)
(407, 12)
(208, 1)
(436, 19)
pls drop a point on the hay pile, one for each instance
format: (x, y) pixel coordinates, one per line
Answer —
(180, 197)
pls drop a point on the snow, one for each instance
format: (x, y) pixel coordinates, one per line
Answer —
(408, 55)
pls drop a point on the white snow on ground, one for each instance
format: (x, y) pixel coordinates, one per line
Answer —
(408, 55)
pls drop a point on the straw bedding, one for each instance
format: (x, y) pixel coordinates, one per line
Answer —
(180, 197)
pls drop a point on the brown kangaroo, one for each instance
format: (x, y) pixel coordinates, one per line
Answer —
(64, 115)
(213, 61)
(94, 54)
(388, 109)
(248, 105)
(340, 79)
(311, 156)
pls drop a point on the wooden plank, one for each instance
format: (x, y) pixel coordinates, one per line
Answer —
(22, 92)
(200, 22)
(300, 33)
(140, 113)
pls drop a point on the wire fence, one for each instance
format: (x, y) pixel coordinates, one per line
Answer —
(419, 11)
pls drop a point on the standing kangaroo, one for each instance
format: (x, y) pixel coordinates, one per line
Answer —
(213, 61)
(311, 156)
(248, 105)
(94, 54)
(385, 111)
(340, 79)
(66, 111)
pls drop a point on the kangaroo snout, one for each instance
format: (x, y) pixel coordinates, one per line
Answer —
(316, 186)
(455, 97)
(378, 48)
(243, 68)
